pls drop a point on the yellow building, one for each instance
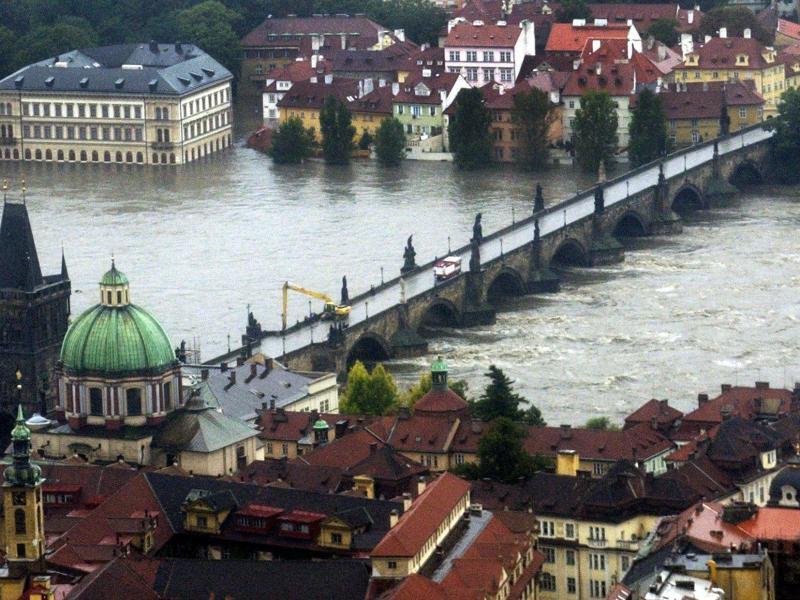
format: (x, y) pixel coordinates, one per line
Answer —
(305, 99)
(740, 576)
(693, 110)
(131, 103)
(735, 59)
(370, 110)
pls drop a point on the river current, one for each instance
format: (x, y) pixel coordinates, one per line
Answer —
(682, 314)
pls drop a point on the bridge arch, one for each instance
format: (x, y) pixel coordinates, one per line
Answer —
(570, 253)
(508, 282)
(630, 224)
(440, 313)
(369, 348)
(688, 198)
(745, 173)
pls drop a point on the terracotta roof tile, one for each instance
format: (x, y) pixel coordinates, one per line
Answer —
(440, 401)
(566, 37)
(378, 101)
(721, 53)
(644, 15)
(789, 29)
(361, 28)
(420, 521)
(658, 409)
(704, 102)
(309, 94)
(467, 35)
(773, 523)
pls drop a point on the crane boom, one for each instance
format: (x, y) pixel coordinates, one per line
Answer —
(331, 308)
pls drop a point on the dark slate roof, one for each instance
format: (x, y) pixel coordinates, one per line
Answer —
(298, 475)
(122, 69)
(19, 262)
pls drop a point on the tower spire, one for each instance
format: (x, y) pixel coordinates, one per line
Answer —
(64, 274)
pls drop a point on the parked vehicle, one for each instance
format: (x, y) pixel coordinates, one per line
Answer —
(448, 267)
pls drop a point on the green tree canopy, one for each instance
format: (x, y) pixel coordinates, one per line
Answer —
(365, 141)
(368, 393)
(470, 140)
(336, 126)
(500, 400)
(647, 129)
(390, 142)
(212, 27)
(665, 31)
(291, 143)
(601, 424)
(573, 9)
(785, 143)
(735, 19)
(423, 386)
(595, 131)
(51, 40)
(533, 114)
(502, 456)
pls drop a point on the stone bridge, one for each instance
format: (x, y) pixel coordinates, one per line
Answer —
(583, 231)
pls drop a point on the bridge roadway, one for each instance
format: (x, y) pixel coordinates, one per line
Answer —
(553, 220)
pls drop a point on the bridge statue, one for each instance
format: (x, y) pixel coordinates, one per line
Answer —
(724, 119)
(536, 232)
(477, 229)
(409, 254)
(538, 201)
(345, 294)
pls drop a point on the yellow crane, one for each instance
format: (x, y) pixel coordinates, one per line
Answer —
(331, 310)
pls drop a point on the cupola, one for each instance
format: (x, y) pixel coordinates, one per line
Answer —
(114, 288)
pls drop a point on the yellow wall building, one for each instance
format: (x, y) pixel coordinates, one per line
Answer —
(725, 59)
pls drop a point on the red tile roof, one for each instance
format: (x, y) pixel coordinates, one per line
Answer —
(416, 587)
(745, 402)
(701, 101)
(296, 474)
(789, 29)
(345, 452)
(566, 37)
(440, 401)
(299, 70)
(310, 94)
(653, 409)
(423, 433)
(378, 101)
(616, 79)
(361, 28)
(773, 523)
(644, 15)
(292, 425)
(636, 443)
(702, 525)
(721, 53)
(420, 522)
(467, 35)
(436, 83)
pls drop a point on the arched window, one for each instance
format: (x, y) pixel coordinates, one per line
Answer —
(95, 156)
(96, 402)
(133, 399)
(27, 154)
(60, 155)
(172, 158)
(107, 156)
(158, 113)
(164, 157)
(159, 135)
(165, 112)
(16, 154)
(119, 157)
(83, 156)
(19, 521)
(48, 154)
(72, 154)
(155, 158)
(7, 153)
(2, 131)
(139, 157)
(38, 155)
(129, 157)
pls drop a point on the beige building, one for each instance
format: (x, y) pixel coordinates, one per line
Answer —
(131, 103)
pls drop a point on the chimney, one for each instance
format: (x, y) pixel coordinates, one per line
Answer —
(394, 517)
(272, 403)
(267, 367)
(566, 432)
(239, 361)
(253, 370)
(232, 377)
(407, 501)
(340, 428)
(203, 374)
(723, 32)
(726, 412)
(421, 485)
(726, 387)
(747, 33)
(264, 407)
(223, 367)
(153, 46)
(762, 385)
(701, 399)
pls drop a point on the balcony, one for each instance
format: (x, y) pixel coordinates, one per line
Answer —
(596, 543)
(632, 545)
(8, 141)
(163, 145)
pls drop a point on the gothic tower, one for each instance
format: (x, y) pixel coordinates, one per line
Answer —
(23, 507)
(34, 315)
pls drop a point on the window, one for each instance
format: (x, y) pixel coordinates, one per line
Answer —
(96, 402)
(269, 448)
(597, 562)
(69, 110)
(202, 522)
(547, 528)
(392, 564)
(416, 110)
(82, 110)
(93, 111)
(569, 531)
(597, 589)
(472, 56)
(548, 583)
(21, 550)
(597, 533)
(133, 398)
(105, 111)
(285, 449)
(549, 554)
(742, 112)
(571, 587)
(19, 521)
(506, 74)
(488, 75)
(455, 55)
(505, 57)
(570, 557)
(624, 563)
(167, 395)
(472, 74)
(117, 111)
(336, 538)
(696, 139)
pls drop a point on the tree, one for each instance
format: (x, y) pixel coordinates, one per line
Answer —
(336, 125)
(735, 19)
(601, 424)
(502, 456)
(212, 27)
(291, 143)
(665, 31)
(500, 400)
(647, 129)
(595, 131)
(368, 393)
(365, 141)
(469, 130)
(573, 9)
(390, 142)
(46, 41)
(785, 143)
(423, 386)
(533, 114)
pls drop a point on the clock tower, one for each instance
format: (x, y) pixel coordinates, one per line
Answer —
(23, 507)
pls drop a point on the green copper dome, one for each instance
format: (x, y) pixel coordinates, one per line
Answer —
(439, 366)
(116, 338)
(20, 431)
(320, 424)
